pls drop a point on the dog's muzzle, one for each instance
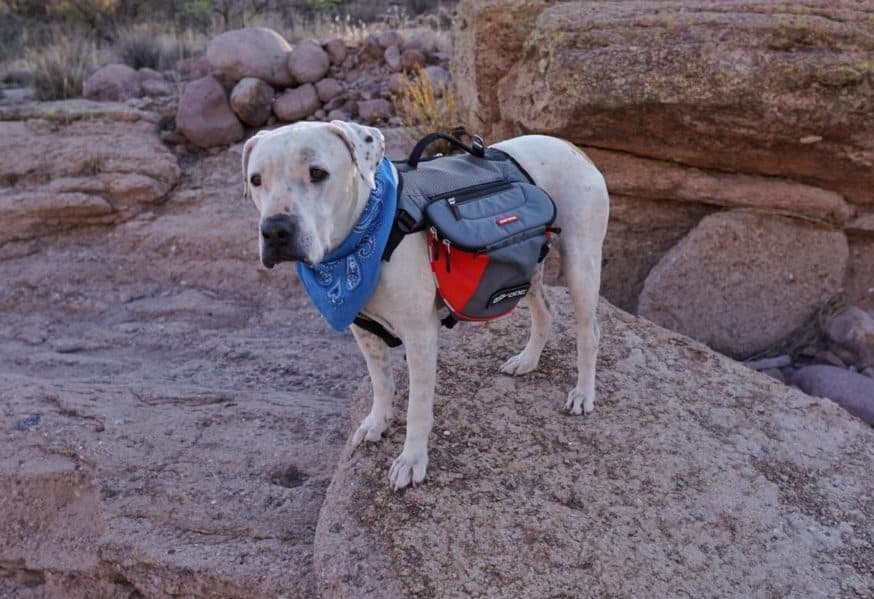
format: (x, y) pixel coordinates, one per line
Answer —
(279, 240)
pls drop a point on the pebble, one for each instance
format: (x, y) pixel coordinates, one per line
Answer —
(769, 363)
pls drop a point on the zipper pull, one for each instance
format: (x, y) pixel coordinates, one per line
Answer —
(433, 245)
(448, 245)
(455, 211)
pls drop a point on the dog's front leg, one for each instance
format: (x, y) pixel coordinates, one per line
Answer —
(377, 356)
(421, 347)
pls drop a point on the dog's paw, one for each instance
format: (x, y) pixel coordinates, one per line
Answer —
(577, 402)
(371, 428)
(520, 364)
(408, 468)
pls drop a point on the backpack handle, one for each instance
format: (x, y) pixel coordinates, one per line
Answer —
(477, 146)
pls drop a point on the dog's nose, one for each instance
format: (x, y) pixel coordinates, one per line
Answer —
(278, 230)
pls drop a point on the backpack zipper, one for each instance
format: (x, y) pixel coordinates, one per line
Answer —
(458, 197)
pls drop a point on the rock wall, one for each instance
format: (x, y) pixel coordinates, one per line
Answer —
(692, 474)
(79, 162)
(690, 108)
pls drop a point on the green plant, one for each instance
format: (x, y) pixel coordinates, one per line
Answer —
(60, 68)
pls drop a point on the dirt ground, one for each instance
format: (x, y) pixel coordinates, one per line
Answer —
(202, 395)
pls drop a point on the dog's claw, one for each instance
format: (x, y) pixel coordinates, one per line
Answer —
(407, 469)
(577, 402)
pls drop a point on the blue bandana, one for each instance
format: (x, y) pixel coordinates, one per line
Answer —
(342, 283)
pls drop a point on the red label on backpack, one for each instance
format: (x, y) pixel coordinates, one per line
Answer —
(506, 220)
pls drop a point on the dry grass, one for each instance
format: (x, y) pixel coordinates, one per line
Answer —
(60, 68)
(425, 107)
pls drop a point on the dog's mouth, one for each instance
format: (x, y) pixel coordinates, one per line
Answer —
(270, 258)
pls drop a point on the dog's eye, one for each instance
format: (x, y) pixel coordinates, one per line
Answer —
(255, 180)
(318, 174)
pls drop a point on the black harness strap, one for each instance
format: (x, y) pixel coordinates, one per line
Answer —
(371, 326)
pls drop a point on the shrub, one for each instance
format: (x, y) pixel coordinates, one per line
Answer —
(60, 68)
(424, 107)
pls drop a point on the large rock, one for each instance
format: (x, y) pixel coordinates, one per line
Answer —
(251, 99)
(692, 474)
(374, 111)
(204, 115)
(852, 391)
(113, 82)
(308, 62)
(69, 164)
(852, 333)
(251, 52)
(741, 282)
(754, 87)
(296, 104)
(328, 89)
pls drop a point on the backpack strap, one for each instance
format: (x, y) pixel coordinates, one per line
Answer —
(371, 326)
(477, 146)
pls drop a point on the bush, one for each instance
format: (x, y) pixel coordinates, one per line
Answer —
(60, 68)
(424, 107)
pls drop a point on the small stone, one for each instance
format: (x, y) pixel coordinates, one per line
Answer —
(768, 363)
(373, 111)
(336, 49)
(397, 82)
(393, 58)
(155, 88)
(338, 115)
(412, 59)
(27, 423)
(389, 38)
(328, 89)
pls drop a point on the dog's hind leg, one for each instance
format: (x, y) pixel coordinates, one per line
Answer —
(376, 354)
(541, 321)
(583, 275)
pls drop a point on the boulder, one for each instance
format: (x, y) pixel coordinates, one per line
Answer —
(204, 115)
(691, 464)
(751, 87)
(308, 62)
(852, 391)
(76, 163)
(251, 52)
(370, 49)
(852, 333)
(336, 49)
(296, 104)
(373, 111)
(742, 282)
(113, 82)
(146, 74)
(397, 82)
(252, 99)
(328, 89)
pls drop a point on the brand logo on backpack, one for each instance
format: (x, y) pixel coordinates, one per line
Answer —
(510, 293)
(506, 220)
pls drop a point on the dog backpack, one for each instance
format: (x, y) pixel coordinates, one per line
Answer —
(488, 225)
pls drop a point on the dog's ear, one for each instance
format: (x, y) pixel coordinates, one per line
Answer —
(366, 144)
(247, 151)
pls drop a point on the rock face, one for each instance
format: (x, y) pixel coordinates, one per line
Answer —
(741, 282)
(688, 107)
(252, 52)
(68, 164)
(251, 99)
(114, 83)
(690, 464)
(296, 104)
(204, 115)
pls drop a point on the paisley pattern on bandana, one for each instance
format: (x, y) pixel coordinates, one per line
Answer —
(342, 283)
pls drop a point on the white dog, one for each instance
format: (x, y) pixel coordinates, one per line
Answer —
(315, 179)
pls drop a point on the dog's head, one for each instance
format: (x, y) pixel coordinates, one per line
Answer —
(310, 182)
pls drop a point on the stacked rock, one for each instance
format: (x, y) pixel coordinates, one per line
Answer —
(257, 78)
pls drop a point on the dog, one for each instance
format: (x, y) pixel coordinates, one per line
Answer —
(310, 182)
